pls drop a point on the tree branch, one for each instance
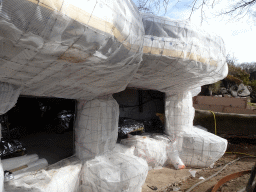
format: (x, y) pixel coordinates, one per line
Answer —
(241, 8)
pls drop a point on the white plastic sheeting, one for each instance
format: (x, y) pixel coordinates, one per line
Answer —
(179, 113)
(178, 56)
(16, 162)
(157, 150)
(119, 148)
(196, 147)
(62, 176)
(114, 172)
(96, 128)
(173, 156)
(201, 148)
(33, 166)
(8, 97)
(195, 91)
(152, 150)
(70, 48)
(83, 50)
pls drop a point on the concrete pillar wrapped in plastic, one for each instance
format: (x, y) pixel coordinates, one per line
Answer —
(115, 172)
(190, 145)
(96, 127)
(62, 176)
(179, 113)
(152, 150)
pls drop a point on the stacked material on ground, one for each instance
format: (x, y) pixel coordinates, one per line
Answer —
(62, 176)
(151, 150)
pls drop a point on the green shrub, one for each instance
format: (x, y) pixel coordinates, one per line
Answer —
(239, 73)
(253, 85)
(215, 87)
(233, 79)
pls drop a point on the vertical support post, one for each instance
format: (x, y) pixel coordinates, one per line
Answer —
(179, 113)
(96, 127)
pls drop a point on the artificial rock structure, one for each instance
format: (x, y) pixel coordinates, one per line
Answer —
(88, 50)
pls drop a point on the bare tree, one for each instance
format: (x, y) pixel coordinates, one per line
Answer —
(231, 60)
(236, 9)
(241, 8)
(152, 6)
(248, 67)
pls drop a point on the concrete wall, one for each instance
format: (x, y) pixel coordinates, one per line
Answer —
(227, 124)
(221, 101)
(222, 104)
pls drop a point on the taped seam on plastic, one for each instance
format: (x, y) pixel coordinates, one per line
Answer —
(178, 54)
(92, 20)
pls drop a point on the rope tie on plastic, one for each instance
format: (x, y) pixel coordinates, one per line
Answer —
(214, 121)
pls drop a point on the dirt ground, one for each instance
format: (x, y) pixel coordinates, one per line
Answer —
(169, 179)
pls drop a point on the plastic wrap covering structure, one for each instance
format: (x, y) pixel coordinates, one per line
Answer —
(173, 156)
(96, 127)
(8, 96)
(152, 150)
(114, 172)
(179, 113)
(201, 148)
(195, 91)
(62, 176)
(70, 49)
(178, 56)
(119, 148)
(195, 147)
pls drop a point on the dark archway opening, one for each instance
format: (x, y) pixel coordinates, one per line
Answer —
(140, 108)
(42, 125)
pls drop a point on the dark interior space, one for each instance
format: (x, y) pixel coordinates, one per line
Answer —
(42, 125)
(140, 111)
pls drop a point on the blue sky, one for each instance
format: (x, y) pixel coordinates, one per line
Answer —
(239, 36)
